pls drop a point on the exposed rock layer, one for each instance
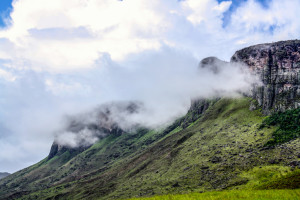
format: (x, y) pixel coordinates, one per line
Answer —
(277, 65)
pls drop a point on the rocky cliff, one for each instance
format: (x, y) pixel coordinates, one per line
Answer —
(277, 65)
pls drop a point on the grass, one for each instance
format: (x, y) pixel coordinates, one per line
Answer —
(271, 177)
(232, 195)
(291, 180)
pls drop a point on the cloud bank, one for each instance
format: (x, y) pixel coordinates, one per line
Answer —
(65, 57)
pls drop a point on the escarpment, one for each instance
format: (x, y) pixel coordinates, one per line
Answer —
(278, 67)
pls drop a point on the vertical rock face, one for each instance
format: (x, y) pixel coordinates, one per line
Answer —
(278, 66)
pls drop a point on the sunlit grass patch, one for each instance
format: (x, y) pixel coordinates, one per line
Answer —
(233, 195)
(271, 177)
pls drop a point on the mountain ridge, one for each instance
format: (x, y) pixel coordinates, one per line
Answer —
(213, 147)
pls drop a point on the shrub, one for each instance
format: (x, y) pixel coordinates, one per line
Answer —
(288, 123)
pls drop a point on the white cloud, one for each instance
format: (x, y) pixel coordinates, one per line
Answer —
(254, 23)
(85, 137)
(206, 11)
(116, 27)
(7, 75)
(61, 35)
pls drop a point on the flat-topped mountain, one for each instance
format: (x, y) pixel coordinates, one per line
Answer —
(220, 144)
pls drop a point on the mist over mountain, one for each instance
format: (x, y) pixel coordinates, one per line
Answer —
(223, 142)
(165, 85)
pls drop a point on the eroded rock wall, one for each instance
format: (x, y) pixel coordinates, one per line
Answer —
(278, 66)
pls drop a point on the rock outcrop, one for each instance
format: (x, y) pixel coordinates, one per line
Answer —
(212, 63)
(278, 66)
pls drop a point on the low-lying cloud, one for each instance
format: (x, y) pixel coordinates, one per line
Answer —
(161, 91)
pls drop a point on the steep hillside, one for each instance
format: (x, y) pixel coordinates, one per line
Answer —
(212, 153)
(219, 144)
(70, 164)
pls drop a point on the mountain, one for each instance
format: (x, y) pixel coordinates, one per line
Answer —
(219, 144)
(3, 174)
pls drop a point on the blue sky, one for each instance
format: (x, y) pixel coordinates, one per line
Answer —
(235, 4)
(5, 8)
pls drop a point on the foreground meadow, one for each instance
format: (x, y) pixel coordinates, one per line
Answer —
(233, 195)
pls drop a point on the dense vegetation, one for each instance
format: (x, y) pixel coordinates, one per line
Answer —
(288, 123)
(291, 181)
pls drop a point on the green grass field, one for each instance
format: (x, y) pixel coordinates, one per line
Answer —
(233, 195)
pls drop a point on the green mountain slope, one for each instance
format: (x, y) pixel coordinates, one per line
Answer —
(218, 145)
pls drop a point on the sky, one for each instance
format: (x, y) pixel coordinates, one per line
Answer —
(64, 57)
(5, 9)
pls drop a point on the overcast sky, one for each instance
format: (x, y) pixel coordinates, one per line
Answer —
(63, 57)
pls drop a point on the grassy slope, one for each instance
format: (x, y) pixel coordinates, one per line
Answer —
(65, 168)
(216, 152)
(210, 155)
